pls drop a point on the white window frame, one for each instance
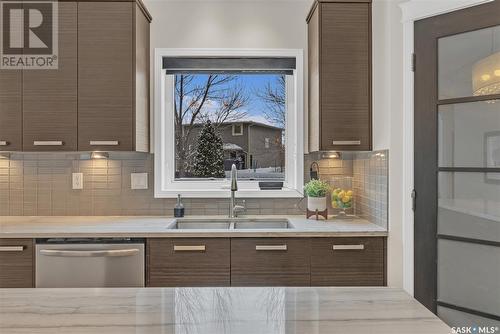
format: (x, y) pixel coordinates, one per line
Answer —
(241, 128)
(166, 186)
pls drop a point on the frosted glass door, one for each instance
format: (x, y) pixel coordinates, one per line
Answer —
(468, 218)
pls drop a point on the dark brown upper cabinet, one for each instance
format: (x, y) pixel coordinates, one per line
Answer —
(11, 127)
(50, 96)
(339, 48)
(97, 98)
(113, 72)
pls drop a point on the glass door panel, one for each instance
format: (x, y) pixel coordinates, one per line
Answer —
(469, 206)
(464, 280)
(469, 64)
(469, 134)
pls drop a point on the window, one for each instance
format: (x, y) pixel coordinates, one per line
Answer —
(237, 129)
(216, 111)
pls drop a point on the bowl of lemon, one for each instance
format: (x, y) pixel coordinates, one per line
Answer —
(342, 199)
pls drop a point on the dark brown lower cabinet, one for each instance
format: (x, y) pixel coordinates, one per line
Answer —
(270, 261)
(16, 263)
(188, 262)
(342, 261)
(348, 262)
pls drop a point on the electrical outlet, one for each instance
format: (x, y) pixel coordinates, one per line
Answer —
(139, 180)
(77, 181)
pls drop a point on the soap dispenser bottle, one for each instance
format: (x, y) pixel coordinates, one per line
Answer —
(179, 207)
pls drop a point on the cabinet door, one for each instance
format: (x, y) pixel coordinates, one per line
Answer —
(188, 262)
(105, 76)
(270, 262)
(345, 83)
(348, 262)
(50, 96)
(16, 263)
(11, 110)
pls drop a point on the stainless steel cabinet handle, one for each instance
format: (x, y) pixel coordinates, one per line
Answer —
(198, 248)
(4, 143)
(348, 247)
(104, 142)
(346, 142)
(47, 143)
(85, 253)
(12, 248)
(271, 247)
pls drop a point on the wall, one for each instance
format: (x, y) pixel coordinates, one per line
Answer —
(388, 120)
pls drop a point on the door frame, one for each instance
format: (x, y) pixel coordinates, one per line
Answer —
(412, 11)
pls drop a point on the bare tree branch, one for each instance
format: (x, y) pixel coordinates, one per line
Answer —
(274, 97)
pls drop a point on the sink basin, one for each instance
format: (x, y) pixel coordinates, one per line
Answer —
(201, 224)
(230, 224)
(263, 224)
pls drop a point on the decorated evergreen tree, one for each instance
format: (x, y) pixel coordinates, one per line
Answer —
(209, 156)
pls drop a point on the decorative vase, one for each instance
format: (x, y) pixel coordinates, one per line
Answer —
(316, 203)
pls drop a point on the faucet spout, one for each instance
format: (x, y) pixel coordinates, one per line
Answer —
(234, 189)
(234, 178)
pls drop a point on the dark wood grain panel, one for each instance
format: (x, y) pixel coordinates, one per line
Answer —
(347, 267)
(11, 110)
(345, 78)
(167, 267)
(105, 75)
(16, 267)
(141, 81)
(50, 96)
(251, 267)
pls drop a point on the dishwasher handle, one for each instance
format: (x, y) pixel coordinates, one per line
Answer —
(91, 253)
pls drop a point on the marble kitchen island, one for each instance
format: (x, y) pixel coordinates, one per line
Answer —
(215, 310)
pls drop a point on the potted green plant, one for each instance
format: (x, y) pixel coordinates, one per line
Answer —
(316, 191)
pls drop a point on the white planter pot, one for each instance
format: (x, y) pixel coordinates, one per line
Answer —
(316, 203)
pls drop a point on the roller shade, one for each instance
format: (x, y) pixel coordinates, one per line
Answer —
(186, 65)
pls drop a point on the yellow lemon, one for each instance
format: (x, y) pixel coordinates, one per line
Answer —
(346, 199)
(341, 194)
(334, 204)
(349, 193)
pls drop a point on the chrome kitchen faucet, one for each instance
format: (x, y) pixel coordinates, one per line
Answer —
(233, 208)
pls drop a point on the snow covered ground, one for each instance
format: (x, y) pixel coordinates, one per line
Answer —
(259, 173)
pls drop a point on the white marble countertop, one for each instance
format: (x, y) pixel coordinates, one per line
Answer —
(215, 311)
(154, 226)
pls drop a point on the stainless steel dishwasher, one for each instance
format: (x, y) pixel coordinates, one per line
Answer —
(89, 262)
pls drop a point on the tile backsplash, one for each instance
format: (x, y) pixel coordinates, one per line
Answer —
(366, 173)
(40, 184)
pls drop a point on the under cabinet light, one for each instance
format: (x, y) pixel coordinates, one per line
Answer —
(331, 155)
(99, 155)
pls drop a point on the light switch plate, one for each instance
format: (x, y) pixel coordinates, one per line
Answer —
(77, 181)
(139, 180)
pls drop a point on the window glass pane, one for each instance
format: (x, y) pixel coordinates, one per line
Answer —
(469, 134)
(469, 64)
(221, 120)
(469, 205)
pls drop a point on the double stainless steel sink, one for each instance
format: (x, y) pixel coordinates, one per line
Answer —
(230, 224)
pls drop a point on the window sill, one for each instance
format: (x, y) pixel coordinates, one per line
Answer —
(226, 193)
